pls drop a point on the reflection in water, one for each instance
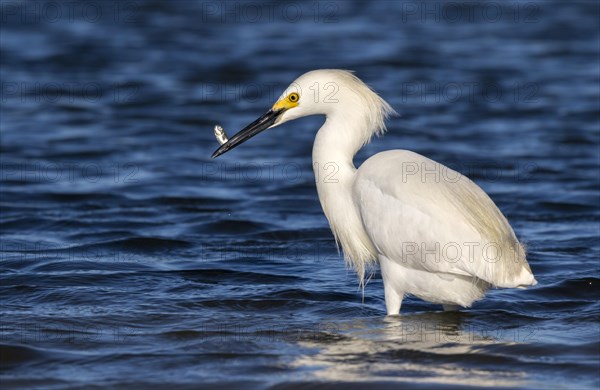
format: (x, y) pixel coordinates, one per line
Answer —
(427, 348)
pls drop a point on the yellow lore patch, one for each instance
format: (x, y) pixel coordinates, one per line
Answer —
(288, 102)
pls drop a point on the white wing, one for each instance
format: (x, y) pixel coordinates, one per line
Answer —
(426, 216)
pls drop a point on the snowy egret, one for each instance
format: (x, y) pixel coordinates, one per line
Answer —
(434, 233)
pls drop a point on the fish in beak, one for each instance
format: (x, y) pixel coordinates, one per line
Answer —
(266, 121)
(261, 124)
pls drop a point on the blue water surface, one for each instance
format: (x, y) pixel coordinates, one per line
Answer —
(131, 259)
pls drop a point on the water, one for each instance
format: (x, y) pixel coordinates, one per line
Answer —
(131, 259)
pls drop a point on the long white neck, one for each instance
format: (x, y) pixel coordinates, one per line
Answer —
(336, 143)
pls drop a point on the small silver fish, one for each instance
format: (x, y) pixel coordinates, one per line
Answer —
(220, 134)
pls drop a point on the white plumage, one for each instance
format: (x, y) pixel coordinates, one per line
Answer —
(434, 233)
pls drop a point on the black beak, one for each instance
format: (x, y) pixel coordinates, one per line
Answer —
(262, 123)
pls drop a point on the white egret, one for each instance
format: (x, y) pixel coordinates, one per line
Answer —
(434, 233)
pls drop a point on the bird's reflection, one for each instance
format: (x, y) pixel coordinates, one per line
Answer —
(429, 347)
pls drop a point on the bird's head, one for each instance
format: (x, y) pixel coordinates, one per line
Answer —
(319, 92)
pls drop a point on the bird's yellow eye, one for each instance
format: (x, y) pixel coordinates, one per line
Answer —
(293, 97)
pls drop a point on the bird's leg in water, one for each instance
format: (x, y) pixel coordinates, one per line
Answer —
(393, 299)
(393, 295)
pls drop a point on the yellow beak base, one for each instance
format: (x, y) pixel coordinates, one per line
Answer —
(284, 104)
